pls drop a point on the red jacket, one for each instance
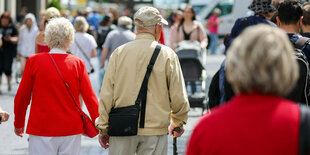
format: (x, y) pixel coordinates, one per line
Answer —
(248, 125)
(53, 112)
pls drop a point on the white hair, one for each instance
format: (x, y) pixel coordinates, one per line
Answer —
(59, 33)
(81, 24)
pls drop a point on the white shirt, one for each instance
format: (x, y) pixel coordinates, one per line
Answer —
(57, 51)
(87, 43)
(27, 41)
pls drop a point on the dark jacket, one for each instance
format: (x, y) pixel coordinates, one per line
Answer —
(242, 23)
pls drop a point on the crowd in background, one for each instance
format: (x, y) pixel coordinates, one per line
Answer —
(254, 94)
(25, 36)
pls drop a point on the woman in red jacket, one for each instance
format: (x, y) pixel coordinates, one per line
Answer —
(54, 124)
(262, 69)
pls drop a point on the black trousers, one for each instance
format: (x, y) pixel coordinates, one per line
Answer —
(6, 60)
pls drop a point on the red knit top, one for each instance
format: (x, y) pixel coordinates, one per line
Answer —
(53, 112)
(248, 125)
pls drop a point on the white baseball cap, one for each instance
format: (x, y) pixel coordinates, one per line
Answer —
(148, 16)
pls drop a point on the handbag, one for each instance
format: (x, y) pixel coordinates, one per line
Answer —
(123, 121)
(88, 125)
(92, 70)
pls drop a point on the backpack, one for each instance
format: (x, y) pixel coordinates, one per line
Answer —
(303, 84)
(102, 35)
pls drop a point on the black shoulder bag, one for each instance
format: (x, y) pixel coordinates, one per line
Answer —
(124, 121)
(304, 128)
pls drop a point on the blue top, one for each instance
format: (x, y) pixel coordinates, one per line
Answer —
(242, 23)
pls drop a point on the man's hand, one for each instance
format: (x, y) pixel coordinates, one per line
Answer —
(4, 115)
(175, 133)
(19, 132)
(104, 141)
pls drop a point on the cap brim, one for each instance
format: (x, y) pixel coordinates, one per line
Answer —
(164, 21)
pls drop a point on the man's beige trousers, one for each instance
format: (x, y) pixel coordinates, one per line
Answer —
(142, 145)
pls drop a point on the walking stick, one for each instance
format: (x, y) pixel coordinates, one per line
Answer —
(175, 151)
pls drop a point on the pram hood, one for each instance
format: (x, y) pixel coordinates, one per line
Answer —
(191, 51)
(190, 56)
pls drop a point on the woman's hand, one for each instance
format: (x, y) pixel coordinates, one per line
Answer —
(104, 141)
(19, 132)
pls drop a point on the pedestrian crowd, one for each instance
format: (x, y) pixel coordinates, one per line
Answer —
(55, 66)
(258, 98)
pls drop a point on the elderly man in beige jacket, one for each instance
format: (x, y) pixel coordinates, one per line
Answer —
(166, 94)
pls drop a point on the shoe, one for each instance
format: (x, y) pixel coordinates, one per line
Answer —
(9, 88)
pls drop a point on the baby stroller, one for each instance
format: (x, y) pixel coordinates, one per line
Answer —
(190, 56)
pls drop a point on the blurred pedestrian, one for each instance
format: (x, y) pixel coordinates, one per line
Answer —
(213, 24)
(4, 116)
(177, 17)
(105, 27)
(306, 20)
(26, 39)
(8, 50)
(258, 120)
(115, 39)
(189, 29)
(84, 45)
(41, 45)
(21, 16)
(54, 125)
(166, 90)
(263, 12)
(115, 14)
(289, 19)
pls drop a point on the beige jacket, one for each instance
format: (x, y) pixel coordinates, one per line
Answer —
(166, 96)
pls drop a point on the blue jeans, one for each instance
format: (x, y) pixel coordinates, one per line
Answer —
(213, 42)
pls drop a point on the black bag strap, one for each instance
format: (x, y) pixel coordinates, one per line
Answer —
(301, 42)
(143, 90)
(304, 134)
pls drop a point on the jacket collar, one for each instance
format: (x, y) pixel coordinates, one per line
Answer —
(145, 36)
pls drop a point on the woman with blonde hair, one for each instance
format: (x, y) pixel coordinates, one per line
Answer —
(84, 45)
(55, 124)
(262, 69)
(41, 45)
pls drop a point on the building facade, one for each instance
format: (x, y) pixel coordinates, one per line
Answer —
(15, 6)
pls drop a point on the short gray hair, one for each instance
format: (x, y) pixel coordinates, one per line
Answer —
(58, 33)
(261, 60)
(80, 24)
